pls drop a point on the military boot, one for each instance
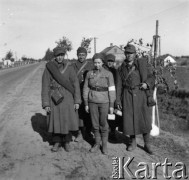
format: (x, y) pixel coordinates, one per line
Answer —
(104, 145)
(78, 137)
(133, 144)
(96, 147)
(67, 147)
(147, 146)
(56, 147)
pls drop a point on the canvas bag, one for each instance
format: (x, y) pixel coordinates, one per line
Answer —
(57, 94)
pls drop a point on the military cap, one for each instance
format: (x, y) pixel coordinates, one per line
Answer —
(129, 48)
(98, 56)
(81, 50)
(110, 57)
(59, 50)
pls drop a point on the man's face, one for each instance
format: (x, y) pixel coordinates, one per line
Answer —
(110, 64)
(82, 57)
(130, 56)
(60, 58)
(98, 64)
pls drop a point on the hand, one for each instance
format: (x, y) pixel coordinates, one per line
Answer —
(87, 109)
(143, 86)
(76, 106)
(48, 109)
(111, 110)
(119, 107)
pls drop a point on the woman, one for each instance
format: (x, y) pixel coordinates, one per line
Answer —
(61, 116)
(99, 97)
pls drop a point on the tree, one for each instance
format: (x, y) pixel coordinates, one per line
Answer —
(64, 42)
(24, 58)
(86, 43)
(48, 55)
(9, 55)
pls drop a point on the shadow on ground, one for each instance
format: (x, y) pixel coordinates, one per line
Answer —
(39, 125)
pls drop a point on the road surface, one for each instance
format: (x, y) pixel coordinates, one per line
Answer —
(25, 145)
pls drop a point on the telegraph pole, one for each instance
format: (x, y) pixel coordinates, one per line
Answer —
(156, 43)
(95, 38)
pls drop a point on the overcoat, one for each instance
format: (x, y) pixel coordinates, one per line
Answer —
(84, 118)
(63, 117)
(136, 113)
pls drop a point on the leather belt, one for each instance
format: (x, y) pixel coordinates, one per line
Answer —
(100, 89)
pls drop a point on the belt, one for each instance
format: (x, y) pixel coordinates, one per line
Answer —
(100, 89)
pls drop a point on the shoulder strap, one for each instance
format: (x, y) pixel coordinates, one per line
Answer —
(129, 73)
(82, 67)
(64, 69)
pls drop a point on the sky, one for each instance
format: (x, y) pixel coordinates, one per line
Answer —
(29, 27)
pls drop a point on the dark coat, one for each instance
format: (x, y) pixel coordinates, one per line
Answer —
(83, 116)
(82, 74)
(136, 113)
(63, 117)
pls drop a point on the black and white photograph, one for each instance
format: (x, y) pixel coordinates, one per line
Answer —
(94, 89)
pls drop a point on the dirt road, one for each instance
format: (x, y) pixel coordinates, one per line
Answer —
(25, 145)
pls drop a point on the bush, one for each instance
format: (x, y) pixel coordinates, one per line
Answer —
(184, 63)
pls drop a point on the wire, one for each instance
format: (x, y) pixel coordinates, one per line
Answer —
(130, 24)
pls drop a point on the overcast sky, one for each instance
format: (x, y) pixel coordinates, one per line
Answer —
(29, 27)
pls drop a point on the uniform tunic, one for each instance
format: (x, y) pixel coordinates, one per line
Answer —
(63, 117)
(99, 101)
(136, 113)
(99, 78)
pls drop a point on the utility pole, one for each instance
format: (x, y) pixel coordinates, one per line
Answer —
(95, 38)
(156, 43)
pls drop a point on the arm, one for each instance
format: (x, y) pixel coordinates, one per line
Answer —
(45, 89)
(150, 77)
(111, 90)
(86, 90)
(53, 69)
(118, 87)
(75, 81)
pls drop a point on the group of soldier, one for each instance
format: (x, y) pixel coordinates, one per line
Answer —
(92, 90)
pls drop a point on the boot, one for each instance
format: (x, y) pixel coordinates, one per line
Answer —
(56, 147)
(104, 145)
(78, 137)
(133, 144)
(147, 146)
(96, 147)
(67, 147)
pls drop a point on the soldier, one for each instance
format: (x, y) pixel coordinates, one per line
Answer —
(109, 65)
(99, 97)
(132, 82)
(59, 102)
(82, 66)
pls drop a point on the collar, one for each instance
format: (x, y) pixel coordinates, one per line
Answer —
(99, 70)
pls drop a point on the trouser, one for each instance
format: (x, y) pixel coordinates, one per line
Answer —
(59, 138)
(99, 113)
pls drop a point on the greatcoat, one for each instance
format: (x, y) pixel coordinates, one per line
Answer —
(136, 113)
(62, 118)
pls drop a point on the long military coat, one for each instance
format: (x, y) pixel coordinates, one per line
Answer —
(83, 116)
(63, 117)
(136, 113)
